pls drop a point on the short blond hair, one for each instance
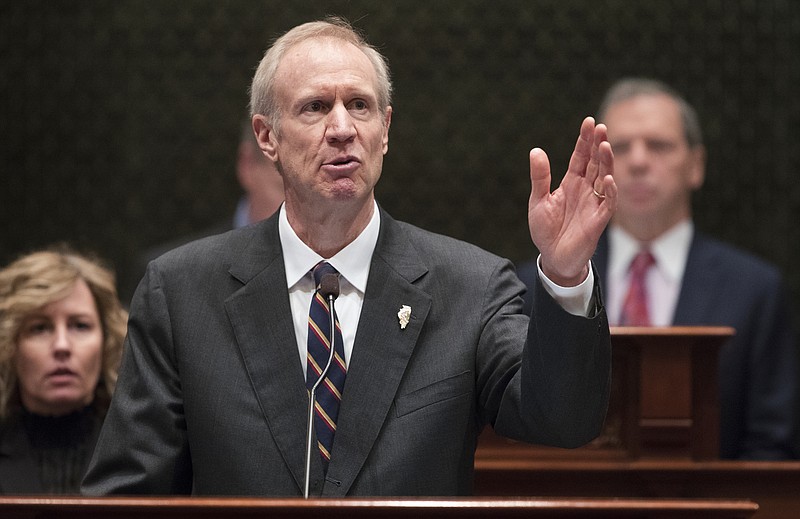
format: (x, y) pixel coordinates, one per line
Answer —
(262, 89)
(43, 277)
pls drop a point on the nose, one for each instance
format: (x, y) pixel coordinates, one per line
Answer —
(340, 127)
(638, 156)
(62, 345)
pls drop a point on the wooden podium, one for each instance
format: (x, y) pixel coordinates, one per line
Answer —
(660, 437)
(241, 508)
(664, 400)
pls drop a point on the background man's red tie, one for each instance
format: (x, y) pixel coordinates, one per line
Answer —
(634, 309)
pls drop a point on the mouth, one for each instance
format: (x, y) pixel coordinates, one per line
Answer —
(341, 165)
(638, 191)
(61, 372)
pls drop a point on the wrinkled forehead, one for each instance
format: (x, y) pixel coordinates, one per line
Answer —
(323, 57)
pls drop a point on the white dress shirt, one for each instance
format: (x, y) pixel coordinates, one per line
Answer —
(664, 278)
(353, 264)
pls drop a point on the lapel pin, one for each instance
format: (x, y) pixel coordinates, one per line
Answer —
(403, 316)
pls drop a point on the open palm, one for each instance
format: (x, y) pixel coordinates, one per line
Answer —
(566, 224)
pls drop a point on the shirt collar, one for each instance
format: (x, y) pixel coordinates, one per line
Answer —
(670, 250)
(352, 262)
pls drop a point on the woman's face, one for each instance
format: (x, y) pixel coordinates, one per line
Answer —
(59, 354)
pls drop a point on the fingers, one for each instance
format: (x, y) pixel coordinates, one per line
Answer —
(540, 174)
(608, 188)
(601, 164)
(604, 182)
(586, 160)
(596, 165)
(583, 149)
(592, 159)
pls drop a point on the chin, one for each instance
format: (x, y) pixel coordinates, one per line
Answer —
(67, 403)
(346, 192)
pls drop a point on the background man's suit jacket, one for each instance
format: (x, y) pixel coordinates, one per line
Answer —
(212, 400)
(725, 286)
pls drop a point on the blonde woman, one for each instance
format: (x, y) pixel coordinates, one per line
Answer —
(61, 334)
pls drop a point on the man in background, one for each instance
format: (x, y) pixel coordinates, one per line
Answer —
(262, 187)
(260, 180)
(658, 270)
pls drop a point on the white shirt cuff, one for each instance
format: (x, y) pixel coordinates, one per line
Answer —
(575, 300)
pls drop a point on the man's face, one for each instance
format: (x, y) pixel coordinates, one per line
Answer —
(654, 167)
(333, 134)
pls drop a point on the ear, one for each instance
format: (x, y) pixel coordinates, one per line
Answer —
(266, 137)
(386, 123)
(698, 167)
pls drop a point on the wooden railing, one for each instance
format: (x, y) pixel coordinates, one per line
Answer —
(241, 508)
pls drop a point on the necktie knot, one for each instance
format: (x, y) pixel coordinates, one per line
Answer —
(320, 270)
(641, 263)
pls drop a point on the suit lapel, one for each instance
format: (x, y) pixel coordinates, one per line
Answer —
(261, 318)
(380, 354)
(695, 302)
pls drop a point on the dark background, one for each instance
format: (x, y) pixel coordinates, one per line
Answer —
(119, 120)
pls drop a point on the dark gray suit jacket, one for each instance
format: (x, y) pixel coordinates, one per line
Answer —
(211, 396)
(726, 286)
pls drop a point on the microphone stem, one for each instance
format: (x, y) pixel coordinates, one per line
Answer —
(312, 395)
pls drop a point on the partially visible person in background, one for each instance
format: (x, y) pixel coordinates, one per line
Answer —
(658, 270)
(61, 334)
(262, 195)
(262, 184)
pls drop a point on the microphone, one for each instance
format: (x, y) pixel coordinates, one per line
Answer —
(329, 289)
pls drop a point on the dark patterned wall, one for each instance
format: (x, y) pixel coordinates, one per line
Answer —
(119, 120)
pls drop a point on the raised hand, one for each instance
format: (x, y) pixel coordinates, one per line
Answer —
(566, 224)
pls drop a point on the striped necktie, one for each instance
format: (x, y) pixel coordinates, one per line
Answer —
(329, 393)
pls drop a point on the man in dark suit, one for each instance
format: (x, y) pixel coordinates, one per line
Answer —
(693, 279)
(212, 395)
